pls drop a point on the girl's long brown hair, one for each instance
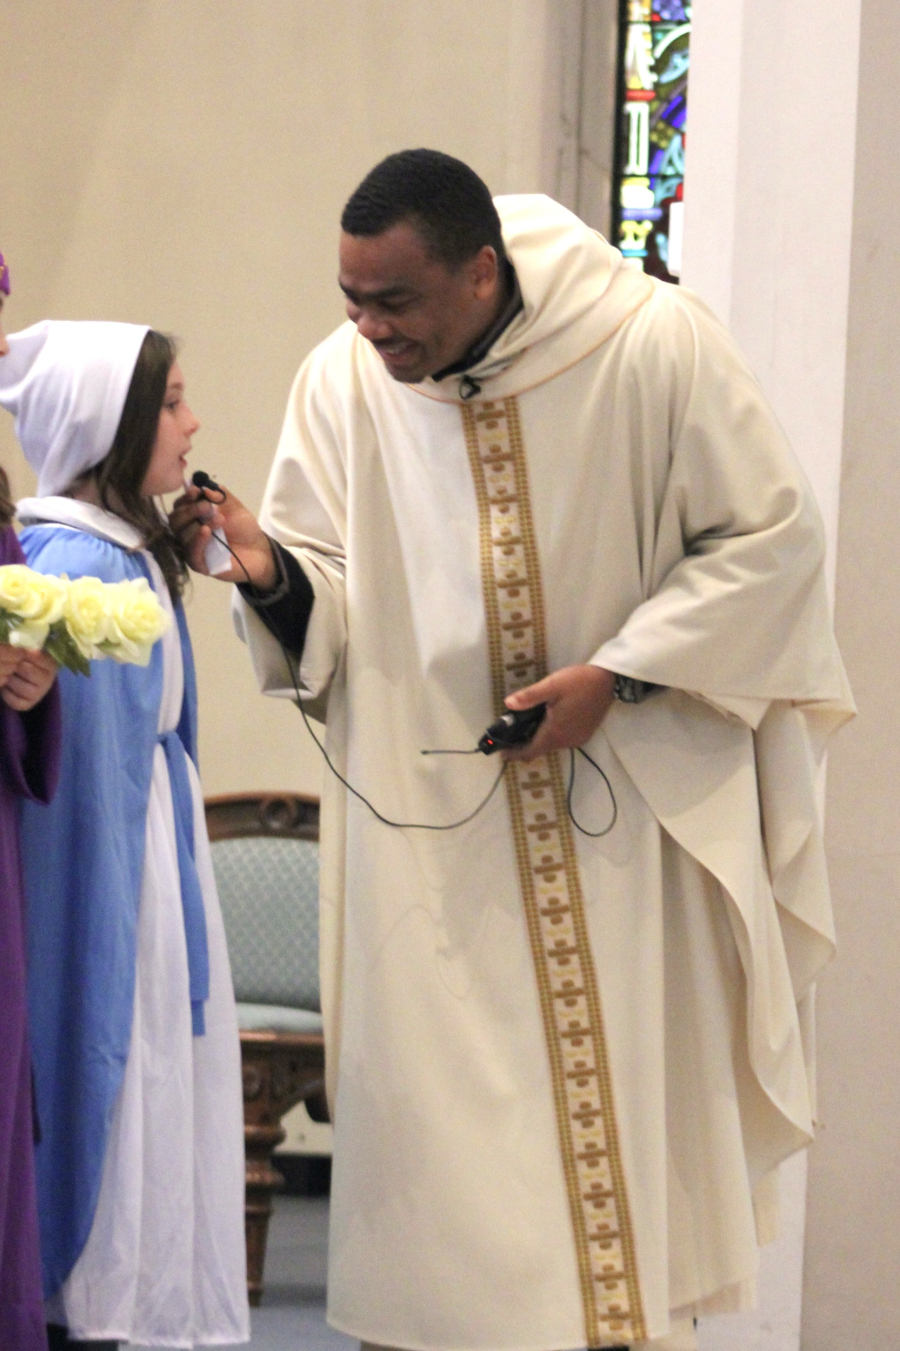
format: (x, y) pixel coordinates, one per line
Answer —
(120, 475)
(7, 506)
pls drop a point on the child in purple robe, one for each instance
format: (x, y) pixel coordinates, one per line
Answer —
(29, 763)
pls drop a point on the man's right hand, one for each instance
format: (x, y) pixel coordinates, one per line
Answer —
(193, 519)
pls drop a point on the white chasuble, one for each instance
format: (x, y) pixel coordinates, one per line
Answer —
(562, 1068)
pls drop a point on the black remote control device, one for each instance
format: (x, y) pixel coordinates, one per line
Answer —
(513, 728)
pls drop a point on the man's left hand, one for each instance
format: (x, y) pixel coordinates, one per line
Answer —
(577, 699)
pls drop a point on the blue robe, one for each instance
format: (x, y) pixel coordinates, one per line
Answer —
(84, 858)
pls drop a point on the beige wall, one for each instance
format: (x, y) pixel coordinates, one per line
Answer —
(184, 162)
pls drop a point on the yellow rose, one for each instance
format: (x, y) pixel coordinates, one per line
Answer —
(31, 595)
(35, 599)
(15, 588)
(86, 613)
(136, 621)
(30, 634)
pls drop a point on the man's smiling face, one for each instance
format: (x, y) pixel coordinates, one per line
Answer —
(419, 314)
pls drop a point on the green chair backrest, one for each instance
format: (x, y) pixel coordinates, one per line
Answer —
(269, 890)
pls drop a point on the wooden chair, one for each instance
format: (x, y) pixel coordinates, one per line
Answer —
(265, 854)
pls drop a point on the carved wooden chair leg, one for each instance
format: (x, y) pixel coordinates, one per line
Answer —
(262, 1181)
(279, 1071)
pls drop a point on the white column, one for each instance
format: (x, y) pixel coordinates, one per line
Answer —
(851, 1290)
(769, 201)
(767, 241)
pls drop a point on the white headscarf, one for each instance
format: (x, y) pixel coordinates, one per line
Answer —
(66, 383)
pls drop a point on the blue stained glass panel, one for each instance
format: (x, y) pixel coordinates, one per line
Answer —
(673, 13)
(649, 183)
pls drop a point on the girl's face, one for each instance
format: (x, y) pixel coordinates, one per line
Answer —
(177, 424)
(4, 345)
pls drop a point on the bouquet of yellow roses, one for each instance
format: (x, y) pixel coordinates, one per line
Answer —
(79, 621)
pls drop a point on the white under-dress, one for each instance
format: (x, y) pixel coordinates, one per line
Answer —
(165, 1262)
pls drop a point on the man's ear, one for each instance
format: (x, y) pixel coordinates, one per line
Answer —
(484, 271)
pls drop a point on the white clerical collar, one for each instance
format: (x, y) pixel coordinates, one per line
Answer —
(76, 515)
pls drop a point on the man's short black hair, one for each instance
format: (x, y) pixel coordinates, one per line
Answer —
(445, 201)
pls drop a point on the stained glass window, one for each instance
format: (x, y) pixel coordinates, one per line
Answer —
(648, 193)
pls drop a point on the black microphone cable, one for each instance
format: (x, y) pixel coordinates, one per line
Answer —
(202, 480)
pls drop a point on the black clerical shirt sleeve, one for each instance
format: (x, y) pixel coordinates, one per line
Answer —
(286, 610)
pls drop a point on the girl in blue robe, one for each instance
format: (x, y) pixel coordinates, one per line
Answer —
(140, 1165)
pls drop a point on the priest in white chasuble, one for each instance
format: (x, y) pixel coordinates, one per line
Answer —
(570, 1040)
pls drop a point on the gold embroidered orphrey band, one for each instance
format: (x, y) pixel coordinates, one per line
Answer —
(551, 889)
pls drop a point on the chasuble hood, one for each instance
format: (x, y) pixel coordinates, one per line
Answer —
(576, 291)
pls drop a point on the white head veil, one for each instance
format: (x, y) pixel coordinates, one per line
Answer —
(66, 383)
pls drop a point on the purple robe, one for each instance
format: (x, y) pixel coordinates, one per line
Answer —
(29, 765)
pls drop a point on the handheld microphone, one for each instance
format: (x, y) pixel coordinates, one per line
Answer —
(202, 480)
(513, 728)
(218, 553)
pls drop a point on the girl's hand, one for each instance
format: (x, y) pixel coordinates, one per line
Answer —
(28, 684)
(10, 657)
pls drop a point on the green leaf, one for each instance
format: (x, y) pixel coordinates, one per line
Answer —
(62, 647)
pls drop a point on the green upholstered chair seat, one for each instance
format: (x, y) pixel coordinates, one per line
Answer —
(269, 890)
(277, 1018)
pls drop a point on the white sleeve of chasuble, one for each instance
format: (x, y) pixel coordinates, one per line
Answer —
(304, 509)
(736, 611)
